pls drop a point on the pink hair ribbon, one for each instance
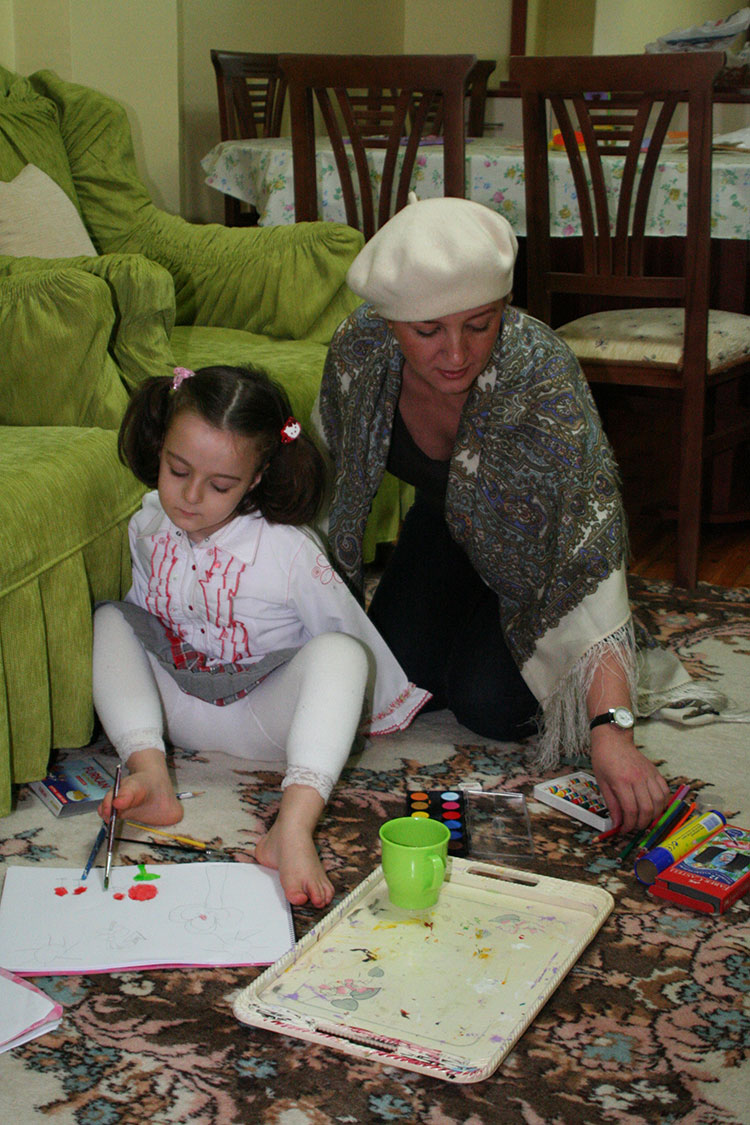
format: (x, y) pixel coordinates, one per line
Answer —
(180, 375)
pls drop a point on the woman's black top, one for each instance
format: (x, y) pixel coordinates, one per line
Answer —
(407, 462)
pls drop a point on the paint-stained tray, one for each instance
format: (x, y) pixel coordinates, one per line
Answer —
(445, 991)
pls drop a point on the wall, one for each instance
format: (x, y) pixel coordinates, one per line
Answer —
(125, 48)
(374, 26)
(153, 55)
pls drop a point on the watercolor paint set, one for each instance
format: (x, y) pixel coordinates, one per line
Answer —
(373, 981)
(577, 795)
(483, 824)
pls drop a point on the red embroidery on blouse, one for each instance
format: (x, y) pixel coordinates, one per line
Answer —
(220, 585)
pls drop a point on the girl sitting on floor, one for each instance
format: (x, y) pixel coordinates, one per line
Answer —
(237, 635)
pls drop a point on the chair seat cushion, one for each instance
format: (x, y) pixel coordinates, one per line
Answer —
(653, 335)
(297, 365)
(61, 488)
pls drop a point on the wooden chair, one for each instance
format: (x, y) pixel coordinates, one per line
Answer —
(700, 361)
(374, 101)
(476, 92)
(251, 90)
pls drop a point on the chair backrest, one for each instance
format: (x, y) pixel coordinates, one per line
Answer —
(617, 106)
(476, 92)
(370, 102)
(251, 90)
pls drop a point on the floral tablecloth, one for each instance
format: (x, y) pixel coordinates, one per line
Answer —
(260, 173)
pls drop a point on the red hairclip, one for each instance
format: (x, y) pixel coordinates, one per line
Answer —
(290, 431)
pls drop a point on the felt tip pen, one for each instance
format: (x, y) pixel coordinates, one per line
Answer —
(677, 845)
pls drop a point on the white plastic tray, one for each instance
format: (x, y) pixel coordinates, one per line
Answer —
(445, 991)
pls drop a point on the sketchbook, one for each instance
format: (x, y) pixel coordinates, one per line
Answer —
(445, 991)
(25, 1012)
(152, 916)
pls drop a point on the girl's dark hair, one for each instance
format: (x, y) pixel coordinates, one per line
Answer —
(241, 400)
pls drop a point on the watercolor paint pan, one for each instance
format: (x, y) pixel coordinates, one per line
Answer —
(578, 795)
(483, 825)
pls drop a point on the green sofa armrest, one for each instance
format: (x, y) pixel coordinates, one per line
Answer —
(55, 327)
(285, 282)
(142, 298)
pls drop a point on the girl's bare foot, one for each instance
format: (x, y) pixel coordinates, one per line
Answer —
(145, 792)
(289, 848)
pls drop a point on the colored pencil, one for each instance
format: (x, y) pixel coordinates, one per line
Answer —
(667, 827)
(683, 819)
(187, 796)
(644, 840)
(168, 835)
(213, 853)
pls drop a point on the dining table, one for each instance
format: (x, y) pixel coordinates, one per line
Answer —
(260, 172)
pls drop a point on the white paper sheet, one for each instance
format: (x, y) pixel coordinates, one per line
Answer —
(151, 916)
(25, 1012)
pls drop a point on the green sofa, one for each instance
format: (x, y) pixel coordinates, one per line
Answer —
(77, 333)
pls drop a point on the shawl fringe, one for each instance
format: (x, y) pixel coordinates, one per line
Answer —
(564, 721)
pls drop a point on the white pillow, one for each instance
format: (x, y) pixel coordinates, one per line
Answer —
(38, 220)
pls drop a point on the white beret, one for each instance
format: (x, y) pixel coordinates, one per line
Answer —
(436, 257)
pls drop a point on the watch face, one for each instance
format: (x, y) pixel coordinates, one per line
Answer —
(623, 717)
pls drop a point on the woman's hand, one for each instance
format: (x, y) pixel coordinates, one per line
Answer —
(632, 786)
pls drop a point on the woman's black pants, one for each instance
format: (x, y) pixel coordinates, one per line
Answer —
(442, 623)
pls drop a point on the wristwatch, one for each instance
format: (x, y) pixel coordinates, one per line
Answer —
(622, 717)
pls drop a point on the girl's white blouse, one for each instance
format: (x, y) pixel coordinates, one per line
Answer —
(255, 587)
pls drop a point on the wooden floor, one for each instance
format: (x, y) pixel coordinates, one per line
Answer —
(724, 558)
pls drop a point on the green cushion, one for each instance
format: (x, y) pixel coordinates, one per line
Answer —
(61, 487)
(65, 501)
(296, 365)
(30, 134)
(55, 329)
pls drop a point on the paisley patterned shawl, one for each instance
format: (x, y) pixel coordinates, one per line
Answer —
(532, 495)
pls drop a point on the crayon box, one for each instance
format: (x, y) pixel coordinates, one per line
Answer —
(710, 877)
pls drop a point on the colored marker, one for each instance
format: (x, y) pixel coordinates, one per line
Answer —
(678, 844)
(187, 796)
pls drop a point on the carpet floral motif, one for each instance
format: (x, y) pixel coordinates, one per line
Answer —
(649, 1026)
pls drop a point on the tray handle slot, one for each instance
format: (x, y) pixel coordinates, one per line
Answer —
(503, 874)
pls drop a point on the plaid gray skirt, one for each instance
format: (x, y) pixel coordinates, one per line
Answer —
(219, 684)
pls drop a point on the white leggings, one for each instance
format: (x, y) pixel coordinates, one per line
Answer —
(306, 711)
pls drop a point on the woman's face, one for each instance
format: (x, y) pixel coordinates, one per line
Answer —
(450, 352)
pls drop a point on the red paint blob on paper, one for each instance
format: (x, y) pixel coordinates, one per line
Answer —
(119, 896)
(80, 890)
(60, 891)
(143, 892)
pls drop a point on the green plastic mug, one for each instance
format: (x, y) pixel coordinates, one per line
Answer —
(414, 851)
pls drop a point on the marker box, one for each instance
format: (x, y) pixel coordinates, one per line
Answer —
(483, 825)
(578, 795)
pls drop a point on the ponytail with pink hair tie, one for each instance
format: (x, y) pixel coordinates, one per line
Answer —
(180, 375)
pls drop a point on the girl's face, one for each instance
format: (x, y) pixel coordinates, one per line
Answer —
(204, 473)
(449, 353)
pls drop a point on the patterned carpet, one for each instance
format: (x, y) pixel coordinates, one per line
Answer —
(651, 1025)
